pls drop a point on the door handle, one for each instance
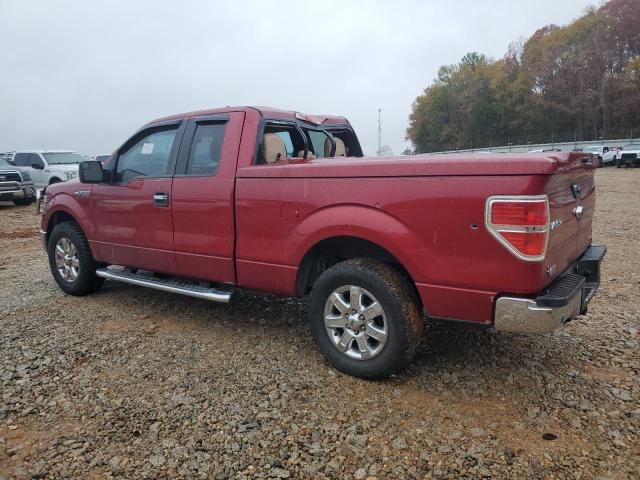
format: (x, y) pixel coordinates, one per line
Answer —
(160, 199)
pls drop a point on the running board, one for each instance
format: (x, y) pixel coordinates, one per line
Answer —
(166, 285)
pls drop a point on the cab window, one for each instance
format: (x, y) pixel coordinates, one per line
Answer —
(149, 156)
(351, 144)
(318, 140)
(285, 135)
(291, 138)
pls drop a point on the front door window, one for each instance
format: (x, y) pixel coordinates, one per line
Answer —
(148, 157)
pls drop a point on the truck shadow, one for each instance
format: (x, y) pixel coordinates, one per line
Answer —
(446, 347)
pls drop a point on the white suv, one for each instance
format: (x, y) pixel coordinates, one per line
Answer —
(48, 166)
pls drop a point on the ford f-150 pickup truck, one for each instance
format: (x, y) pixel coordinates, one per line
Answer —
(285, 203)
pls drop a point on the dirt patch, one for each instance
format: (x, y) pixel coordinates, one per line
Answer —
(20, 233)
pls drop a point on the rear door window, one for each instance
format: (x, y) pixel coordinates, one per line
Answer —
(204, 154)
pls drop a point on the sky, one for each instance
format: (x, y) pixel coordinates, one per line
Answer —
(84, 75)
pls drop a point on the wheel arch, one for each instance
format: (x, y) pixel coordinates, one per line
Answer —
(349, 231)
(59, 216)
(64, 208)
(332, 250)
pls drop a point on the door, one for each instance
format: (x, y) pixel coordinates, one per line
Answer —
(131, 216)
(203, 196)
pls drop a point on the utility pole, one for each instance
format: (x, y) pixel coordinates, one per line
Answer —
(379, 132)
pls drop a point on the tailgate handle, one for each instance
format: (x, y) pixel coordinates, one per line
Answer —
(160, 199)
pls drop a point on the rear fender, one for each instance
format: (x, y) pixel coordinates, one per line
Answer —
(367, 223)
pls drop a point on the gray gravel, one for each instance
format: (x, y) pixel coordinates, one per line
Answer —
(133, 383)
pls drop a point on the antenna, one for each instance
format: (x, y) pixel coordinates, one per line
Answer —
(379, 132)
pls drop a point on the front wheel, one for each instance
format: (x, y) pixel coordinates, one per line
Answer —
(23, 201)
(70, 260)
(365, 318)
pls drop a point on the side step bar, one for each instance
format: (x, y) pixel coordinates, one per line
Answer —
(168, 285)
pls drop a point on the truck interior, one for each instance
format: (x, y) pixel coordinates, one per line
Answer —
(288, 140)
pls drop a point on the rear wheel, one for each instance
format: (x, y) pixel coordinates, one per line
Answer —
(70, 260)
(365, 318)
(23, 201)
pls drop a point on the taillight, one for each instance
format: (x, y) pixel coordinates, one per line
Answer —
(520, 223)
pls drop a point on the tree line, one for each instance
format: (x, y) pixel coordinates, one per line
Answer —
(577, 82)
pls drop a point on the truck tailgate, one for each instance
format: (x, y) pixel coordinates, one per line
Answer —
(571, 193)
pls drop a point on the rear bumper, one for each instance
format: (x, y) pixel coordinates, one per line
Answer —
(565, 299)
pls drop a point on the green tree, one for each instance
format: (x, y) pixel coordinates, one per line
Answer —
(577, 81)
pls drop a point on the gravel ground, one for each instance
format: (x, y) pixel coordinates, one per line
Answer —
(134, 383)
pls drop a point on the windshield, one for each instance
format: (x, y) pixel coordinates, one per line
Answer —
(632, 146)
(59, 158)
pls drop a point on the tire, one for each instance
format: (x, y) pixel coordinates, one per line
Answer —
(23, 202)
(81, 280)
(400, 321)
(600, 164)
(618, 164)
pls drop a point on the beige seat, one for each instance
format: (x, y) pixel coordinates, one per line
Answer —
(310, 154)
(341, 150)
(273, 148)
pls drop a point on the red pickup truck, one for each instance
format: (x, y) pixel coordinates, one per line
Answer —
(281, 202)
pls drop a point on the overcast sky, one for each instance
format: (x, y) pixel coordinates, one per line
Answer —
(84, 75)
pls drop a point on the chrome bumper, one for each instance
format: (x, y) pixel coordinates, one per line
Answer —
(523, 315)
(18, 193)
(563, 300)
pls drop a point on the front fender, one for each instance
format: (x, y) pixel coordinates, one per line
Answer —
(63, 202)
(367, 223)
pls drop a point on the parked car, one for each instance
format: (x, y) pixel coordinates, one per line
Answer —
(15, 186)
(102, 158)
(255, 198)
(598, 151)
(611, 157)
(629, 156)
(8, 156)
(48, 166)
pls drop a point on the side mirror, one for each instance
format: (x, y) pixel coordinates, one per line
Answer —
(37, 166)
(91, 172)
